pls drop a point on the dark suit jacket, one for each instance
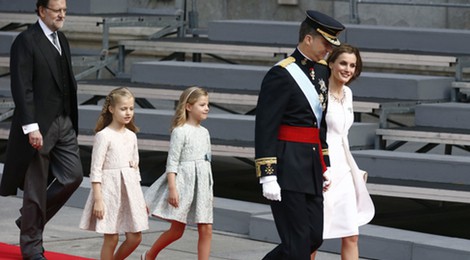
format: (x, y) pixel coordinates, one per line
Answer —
(36, 91)
(282, 102)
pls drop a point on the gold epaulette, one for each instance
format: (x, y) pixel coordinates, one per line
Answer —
(325, 152)
(267, 164)
(323, 62)
(283, 63)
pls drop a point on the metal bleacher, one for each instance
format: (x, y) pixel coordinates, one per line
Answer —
(385, 92)
(435, 123)
(380, 93)
(250, 40)
(275, 38)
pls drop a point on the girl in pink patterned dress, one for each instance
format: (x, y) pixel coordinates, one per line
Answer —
(184, 192)
(116, 202)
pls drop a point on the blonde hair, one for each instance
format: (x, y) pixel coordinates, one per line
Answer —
(189, 96)
(112, 99)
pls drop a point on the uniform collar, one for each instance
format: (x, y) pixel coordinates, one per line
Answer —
(303, 59)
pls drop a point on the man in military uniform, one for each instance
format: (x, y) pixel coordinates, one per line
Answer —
(290, 138)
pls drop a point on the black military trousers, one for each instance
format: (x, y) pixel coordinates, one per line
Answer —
(59, 157)
(299, 222)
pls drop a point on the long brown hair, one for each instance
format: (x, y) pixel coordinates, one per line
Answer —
(111, 100)
(189, 96)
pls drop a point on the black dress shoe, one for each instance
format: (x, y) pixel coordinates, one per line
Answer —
(36, 257)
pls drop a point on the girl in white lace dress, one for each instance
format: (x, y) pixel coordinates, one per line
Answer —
(116, 202)
(347, 203)
(184, 192)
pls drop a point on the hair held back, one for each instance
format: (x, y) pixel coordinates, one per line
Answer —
(105, 118)
(189, 96)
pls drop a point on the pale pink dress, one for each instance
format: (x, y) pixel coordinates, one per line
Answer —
(125, 208)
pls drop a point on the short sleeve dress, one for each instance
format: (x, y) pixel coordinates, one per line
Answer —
(189, 157)
(125, 208)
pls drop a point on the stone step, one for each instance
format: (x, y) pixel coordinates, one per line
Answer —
(367, 37)
(362, 135)
(249, 78)
(427, 169)
(378, 242)
(208, 75)
(223, 128)
(430, 137)
(255, 221)
(172, 92)
(6, 39)
(402, 86)
(408, 39)
(400, 190)
(445, 115)
(271, 53)
(254, 31)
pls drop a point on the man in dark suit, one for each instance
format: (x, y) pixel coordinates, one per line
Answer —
(290, 138)
(42, 153)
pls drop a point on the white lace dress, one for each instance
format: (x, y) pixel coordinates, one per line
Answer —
(125, 208)
(188, 157)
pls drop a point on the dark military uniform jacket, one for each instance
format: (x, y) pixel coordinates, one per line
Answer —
(298, 166)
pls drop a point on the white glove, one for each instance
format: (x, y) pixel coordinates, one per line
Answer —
(272, 190)
(326, 180)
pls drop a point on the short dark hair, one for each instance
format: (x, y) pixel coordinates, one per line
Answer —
(43, 3)
(346, 48)
(306, 29)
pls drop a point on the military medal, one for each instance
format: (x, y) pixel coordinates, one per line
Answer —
(322, 95)
(312, 73)
(322, 84)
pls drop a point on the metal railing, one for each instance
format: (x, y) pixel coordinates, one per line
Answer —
(354, 11)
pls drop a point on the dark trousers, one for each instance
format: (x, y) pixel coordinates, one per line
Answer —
(60, 159)
(299, 222)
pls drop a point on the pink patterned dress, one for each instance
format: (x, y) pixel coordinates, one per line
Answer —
(125, 208)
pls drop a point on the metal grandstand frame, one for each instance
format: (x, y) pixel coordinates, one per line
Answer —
(170, 21)
(462, 61)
